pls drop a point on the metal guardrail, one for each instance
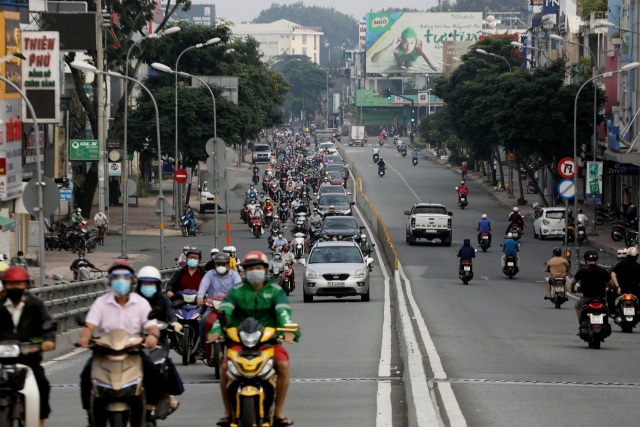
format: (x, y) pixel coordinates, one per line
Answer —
(65, 299)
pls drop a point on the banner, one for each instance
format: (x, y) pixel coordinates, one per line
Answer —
(411, 43)
(594, 183)
(362, 36)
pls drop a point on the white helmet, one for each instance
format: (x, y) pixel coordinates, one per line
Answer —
(226, 249)
(149, 274)
(632, 252)
(622, 253)
(484, 216)
(363, 237)
(516, 209)
(509, 236)
(233, 251)
(214, 252)
(462, 182)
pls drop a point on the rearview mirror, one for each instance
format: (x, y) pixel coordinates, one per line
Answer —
(362, 227)
(369, 261)
(407, 212)
(450, 213)
(302, 262)
(154, 313)
(373, 245)
(348, 193)
(352, 203)
(80, 319)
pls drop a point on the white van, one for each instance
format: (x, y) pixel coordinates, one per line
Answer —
(207, 199)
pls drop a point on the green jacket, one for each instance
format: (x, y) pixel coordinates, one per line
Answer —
(269, 306)
(75, 218)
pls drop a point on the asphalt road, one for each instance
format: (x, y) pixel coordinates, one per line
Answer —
(496, 328)
(338, 377)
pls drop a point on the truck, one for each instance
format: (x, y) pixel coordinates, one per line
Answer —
(323, 135)
(356, 136)
(429, 221)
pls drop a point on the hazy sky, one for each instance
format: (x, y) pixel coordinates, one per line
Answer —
(246, 10)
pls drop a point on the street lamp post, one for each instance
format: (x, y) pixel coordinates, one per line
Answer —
(125, 171)
(484, 52)
(178, 200)
(83, 66)
(522, 46)
(627, 67)
(327, 73)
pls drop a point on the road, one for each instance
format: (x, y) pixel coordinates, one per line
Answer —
(496, 328)
(338, 377)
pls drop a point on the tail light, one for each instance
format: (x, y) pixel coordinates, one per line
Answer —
(483, 234)
(413, 223)
(545, 222)
(628, 296)
(568, 254)
(595, 305)
(448, 222)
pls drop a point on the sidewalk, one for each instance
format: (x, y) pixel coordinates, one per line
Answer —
(601, 241)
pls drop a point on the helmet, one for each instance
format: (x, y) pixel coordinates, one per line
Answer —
(580, 210)
(332, 207)
(233, 251)
(622, 253)
(286, 247)
(225, 249)
(78, 210)
(467, 240)
(509, 235)
(591, 255)
(268, 198)
(255, 258)
(185, 249)
(462, 182)
(118, 268)
(276, 218)
(81, 252)
(15, 274)
(484, 216)
(632, 252)
(215, 251)
(557, 251)
(3, 267)
(516, 209)
(194, 250)
(363, 237)
(149, 274)
(222, 258)
(300, 222)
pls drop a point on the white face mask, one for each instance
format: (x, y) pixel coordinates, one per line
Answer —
(221, 269)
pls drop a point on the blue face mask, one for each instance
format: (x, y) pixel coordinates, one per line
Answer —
(193, 263)
(148, 291)
(121, 286)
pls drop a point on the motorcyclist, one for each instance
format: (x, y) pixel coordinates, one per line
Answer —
(374, 151)
(279, 241)
(150, 287)
(515, 219)
(484, 226)
(211, 265)
(295, 204)
(182, 259)
(77, 217)
(100, 221)
(188, 212)
(188, 277)
(402, 146)
(299, 228)
(290, 185)
(381, 164)
(594, 280)
(259, 297)
(365, 246)
(381, 138)
(19, 261)
(268, 203)
(315, 217)
(414, 154)
(262, 198)
(215, 283)
(256, 170)
(287, 255)
(21, 319)
(121, 309)
(558, 267)
(466, 252)
(510, 247)
(258, 214)
(252, 191)
(626, 274)
(277, 262)
(583, 221)
(332, 211)
(462, 189)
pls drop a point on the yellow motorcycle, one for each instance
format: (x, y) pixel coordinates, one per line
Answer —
(251, 372)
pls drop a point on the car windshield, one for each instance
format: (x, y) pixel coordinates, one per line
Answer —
(336, 158)
(334, 168)
(327, 145)
(334, 200)
(340, 223)
(335, 254)
(204, 187)
(331, 189)
(335, 175)
(555, 214)
(324, 139)
(437, 210)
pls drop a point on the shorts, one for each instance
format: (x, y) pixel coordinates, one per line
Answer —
(279, 353)
(582, 302)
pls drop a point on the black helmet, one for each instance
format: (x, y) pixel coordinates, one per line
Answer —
(557, 251)
(591, 255)
(194, 250)
(222, 258)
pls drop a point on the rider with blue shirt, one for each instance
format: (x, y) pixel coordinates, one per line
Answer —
(484, 226)
(510, 247)
(188, 212)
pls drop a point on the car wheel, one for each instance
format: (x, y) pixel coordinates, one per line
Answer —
(366, 297)
(535, 235)
(412, 240)
(306, 298)
(201, 210)
(406, 237)
(542, 236)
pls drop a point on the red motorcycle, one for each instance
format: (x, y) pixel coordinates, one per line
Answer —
(215, 351)
(283, 183)
(268, 215)
(256, 226)
(265, 184)
(289, 282)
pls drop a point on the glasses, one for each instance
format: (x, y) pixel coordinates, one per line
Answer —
(196, 257)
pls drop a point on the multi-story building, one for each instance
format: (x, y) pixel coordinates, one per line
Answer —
(283, 37)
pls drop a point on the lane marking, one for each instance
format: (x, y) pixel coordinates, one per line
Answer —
(405, 183)
(298, 380)
(384, 409)
(64, 357)
(452, 408)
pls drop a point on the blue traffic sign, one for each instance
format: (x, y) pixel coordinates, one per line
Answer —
(567, 189)
(65, 194)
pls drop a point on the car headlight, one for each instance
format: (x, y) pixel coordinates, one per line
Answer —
(312, 274)
(250, 339)
(9, 351)
(360, 274)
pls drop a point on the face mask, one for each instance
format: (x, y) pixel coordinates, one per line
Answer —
(277, 257)
(221, 270)
(256, 277)
(81, 257)
(121, 286)
(14, 294)
(193, 263)
(148, 291)
(279, 236)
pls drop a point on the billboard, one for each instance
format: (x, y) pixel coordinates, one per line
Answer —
(414, 42)
(41, 72)
(197, 14)
(452, 50)
(362, 35)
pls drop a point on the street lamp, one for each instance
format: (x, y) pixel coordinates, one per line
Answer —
(327, 72)
(178, 200)
(522, 46)
(484, 52)
(125, 171)
(627, 67)
(166, 69)
(83, 66)
(612, 25)
(455, 58)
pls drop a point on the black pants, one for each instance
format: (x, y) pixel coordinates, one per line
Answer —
(152, 381)
(44, 388)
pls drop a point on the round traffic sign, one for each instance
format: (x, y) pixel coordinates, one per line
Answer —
(180, 176)
(567, 189)
(567, 168)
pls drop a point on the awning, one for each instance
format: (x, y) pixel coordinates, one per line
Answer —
(633, 157)
(6, 224)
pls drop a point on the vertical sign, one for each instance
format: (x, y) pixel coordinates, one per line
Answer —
(11, 69)
(11, 159)
(594, 183)
(362, 44)
(336, 103)
(41, 75)
(550, 7)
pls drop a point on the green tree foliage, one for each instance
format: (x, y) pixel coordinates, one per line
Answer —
(340, 30)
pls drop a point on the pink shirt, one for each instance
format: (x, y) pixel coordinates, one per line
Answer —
(107, 314)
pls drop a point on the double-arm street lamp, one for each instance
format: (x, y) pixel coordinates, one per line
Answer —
(484, 52)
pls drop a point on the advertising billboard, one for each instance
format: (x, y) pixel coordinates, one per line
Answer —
(362, 35)
(197, 14)
(413, 43)
(41, 75)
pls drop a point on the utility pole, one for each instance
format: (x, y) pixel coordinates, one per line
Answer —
(100, 98)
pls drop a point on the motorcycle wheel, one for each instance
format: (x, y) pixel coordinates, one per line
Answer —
(216, 357)
(616, 234)
(117, 419)
(185, 231)
(186, 350)
(595, 344)
(631, 240)
(287, 287)
(600, 220)
(256, 233)
(249, 413)
(91, 246)
(484, 249)
(558, 303)
(627, 329)
(47, 246)
(195, 231)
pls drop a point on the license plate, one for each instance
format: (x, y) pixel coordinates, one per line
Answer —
(463, 199)
(430, 231)
(629, 311)
(510, 264)
(581, 232)
(335, 284)
(560, 289)
(596, 319)
(515, 234)
(485, 237)
(467, 269)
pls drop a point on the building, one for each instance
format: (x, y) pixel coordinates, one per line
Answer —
(283, 37)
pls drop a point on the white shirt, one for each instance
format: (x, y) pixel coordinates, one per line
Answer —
(375, 150)
(100, 218)
(582, 219)
(16, 312)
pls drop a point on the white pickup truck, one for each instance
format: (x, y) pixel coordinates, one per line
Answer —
(429, 221)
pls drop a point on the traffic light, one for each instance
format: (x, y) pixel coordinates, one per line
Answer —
(413, 114)
(389, 93)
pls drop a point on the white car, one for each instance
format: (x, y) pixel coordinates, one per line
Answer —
(549, 223)
(329, 146)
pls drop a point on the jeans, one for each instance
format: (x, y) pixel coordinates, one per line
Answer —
(192, 223)
(43, 387)
(203, 319)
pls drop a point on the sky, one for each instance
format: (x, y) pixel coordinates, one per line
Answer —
(245, 10)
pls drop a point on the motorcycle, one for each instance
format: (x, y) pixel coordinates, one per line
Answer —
(381, 171)
(188, 315)
(466, 271)
(256, 227)
(484, 241)
(256, 178)
(582, 236)
(516, 231)
(558, 296)
(620, 230)
(613, 214)
(381, 141)
(52, 242)
(265, 184)
(510, 268)
(627, 315)
(631, 239)
(376, 158)
(214, 351)
(284, 211)
(186, 227)
(289, 284)
(268, 215)
(414, 160)
(19, 393)
(298, 243)
(462, 200)
(404, 152)
(252, 377)
(594, 322)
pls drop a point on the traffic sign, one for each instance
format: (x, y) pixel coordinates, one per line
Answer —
(180, 176)
(567, 189)
(162, 203)
(115, 169)
(511, 157)
(65, 194)
(567, 168)
(51, 196)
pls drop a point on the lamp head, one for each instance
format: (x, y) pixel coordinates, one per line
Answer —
(213, 41)
(556, 37)
(517, 44)
(80, 65)
(161, 67)
(457, 59)
(605, 24)
(482, 51)
(230, 50)
(630, 66)
(171, 30)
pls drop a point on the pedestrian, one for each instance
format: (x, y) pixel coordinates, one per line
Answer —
(626, 201)
(19, 261)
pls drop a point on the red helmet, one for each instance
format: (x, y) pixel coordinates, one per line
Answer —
(255, 258)
(119, 265)
(15, 274)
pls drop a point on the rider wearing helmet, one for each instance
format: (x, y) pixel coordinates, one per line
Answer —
(21, 319)
(515, 219)
(77, 217)
(210, 265)
(365, 246)
(121, 309)
(510, 247)
(188, 277)
(463, 189)
(150, 287)
(594, 280)
(484, 226)
(182, 259)
(231, 251)
(299, 228)
(558, 267)
(190, 215)
(259, 297)
(626, 274)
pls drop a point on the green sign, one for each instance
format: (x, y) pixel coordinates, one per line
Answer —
(85, 150)
(594, 183)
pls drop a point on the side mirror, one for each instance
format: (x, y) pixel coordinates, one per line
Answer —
(348, 193)
(450, 213)
(500, 244)
(80, 319)
(154, 313)
(373, 245)
(476, 250)
(175, 259)
(456, 188)
(352, 203)
(303, 262)
(49, 326)
(362, 227)
(369, 261)
(178, 304)
(407, 212)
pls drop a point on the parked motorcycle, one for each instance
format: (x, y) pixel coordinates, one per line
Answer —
(606, 215)
(627, 314)
(619, 230)
(189, 317)
(631, 239)
(594, 322)
(186, 227)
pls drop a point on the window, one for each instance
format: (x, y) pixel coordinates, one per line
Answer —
(336, 254)
(430, 210)
(304, 50)
(314, 58)
(293, 50)
(281, 36)
(315, 42)
(293, 36)
(304, 39)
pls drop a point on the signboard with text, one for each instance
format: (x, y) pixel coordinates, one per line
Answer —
(595, 171)
(12, 68)
(84, 150)
(41, 75)
(362, 32)
(11, 162)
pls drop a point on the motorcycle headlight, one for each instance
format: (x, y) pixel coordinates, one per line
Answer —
(232, 368)
(360, 274)
(250, 339)
(312, 274)
(9, 351)
(266, 370)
